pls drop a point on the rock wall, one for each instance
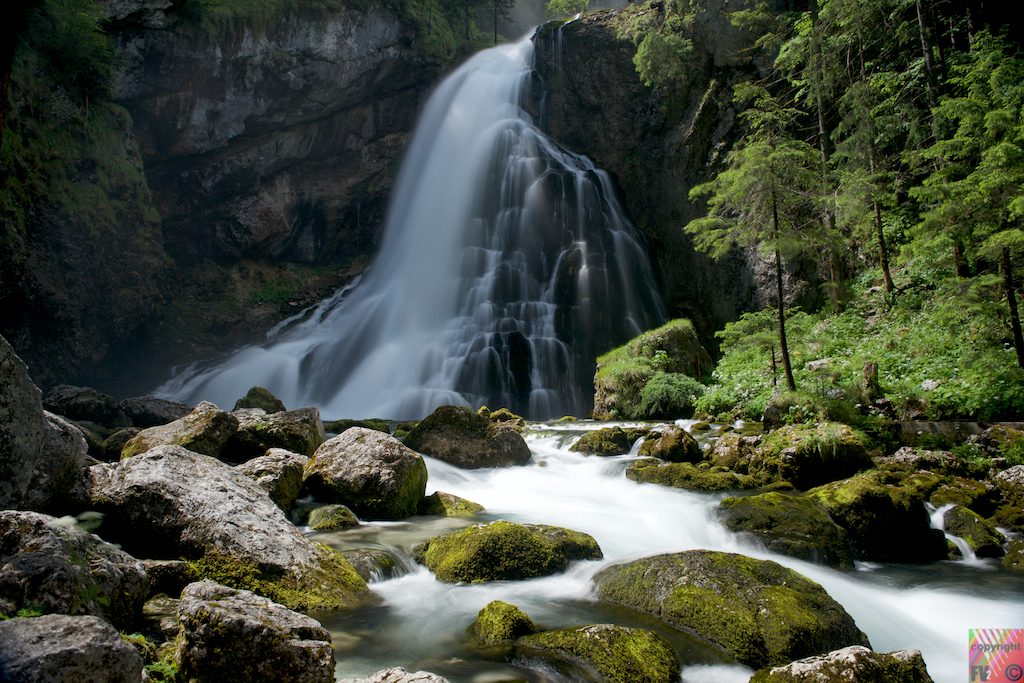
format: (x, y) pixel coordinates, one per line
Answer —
(183, 204)
(660, 142)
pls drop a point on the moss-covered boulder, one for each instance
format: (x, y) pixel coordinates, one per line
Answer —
(1010, 512)
(651, 376)
(299, 431)
(808, 455)
(505, 551)
(732, 449)
(1013, 560)
(981, 536)
(619, 654)
(684, 475)
(884, 515)
(370, 472)
(460, 437)
(790, 525)
(504, 416)
(441, 504)
(332, 518)
(206, 430)
(981, 496)
(608, 441)
(373, 564)
(673, 444)
(760, 612)
(854, 663)
(261, 398)
(500, 622)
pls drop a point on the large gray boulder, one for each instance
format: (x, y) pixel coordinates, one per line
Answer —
(169, 502)
(236, 635)
(56, 648)
(397, 675)
(85, 404)
(23, 428)
(60, 568)
(854, 663)
(789, 525)
(148, 411)
(279, 473)
(298, 431)
(59, 482)
(460, 437)
(370, 472)
(206, 430)
(760, 612)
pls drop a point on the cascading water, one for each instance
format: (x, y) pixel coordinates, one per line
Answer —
(507, 266)
(422, 622)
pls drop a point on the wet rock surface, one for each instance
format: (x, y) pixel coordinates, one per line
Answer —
(466, 439)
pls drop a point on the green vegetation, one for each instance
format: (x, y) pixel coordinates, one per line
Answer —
(620, 655)
(892, 154)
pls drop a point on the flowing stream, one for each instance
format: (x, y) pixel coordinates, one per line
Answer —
(507, 265)
(421, 622)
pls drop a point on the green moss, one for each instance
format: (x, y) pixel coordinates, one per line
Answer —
(441, 504)
(505, 551)
(810, 454)
(500, 622)
(684, 475)
(608, 441)
(981, 536)
(258, 397)
(332, 518)
(619, 654)
(332, 584)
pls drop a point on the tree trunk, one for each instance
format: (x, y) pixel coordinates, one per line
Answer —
(1011, 299)
(926, 49)
(883, 252)
(960, 266)
(783, 346)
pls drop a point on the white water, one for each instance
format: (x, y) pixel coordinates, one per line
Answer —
(507, 266)
(929, 608)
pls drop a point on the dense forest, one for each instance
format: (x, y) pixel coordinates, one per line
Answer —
(884, 141)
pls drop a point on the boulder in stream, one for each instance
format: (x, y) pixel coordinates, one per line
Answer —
(684, 475)
(808, 455)
(85, 404)
(853, 663)
(59, 482)
(369, 471)
(148, 411)
(673, 444)
(279, 473)
(460, 437)
(56, 648)
(982, 537)
(236, 635)
(608, 441)
(619, 654)
(397, 675)
(501, 622)
(261, 398)
(170, 503)
(299, 431)
(760, 612)
(50, 564)
(790, 525)
(505, 551)
(443, 504)
(884, 515)
(332, 517)
(206, 430)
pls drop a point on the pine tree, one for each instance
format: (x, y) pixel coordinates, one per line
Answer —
(767, 197)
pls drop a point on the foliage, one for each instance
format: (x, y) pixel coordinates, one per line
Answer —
(668, 395)
(565, 8)
(78, 53)
(664, 47)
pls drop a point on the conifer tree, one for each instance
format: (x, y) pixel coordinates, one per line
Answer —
(767, 197)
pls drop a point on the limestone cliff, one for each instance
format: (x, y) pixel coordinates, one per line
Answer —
(232, 176)
(659, 142)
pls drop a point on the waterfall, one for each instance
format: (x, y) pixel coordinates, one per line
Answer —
(507, 265)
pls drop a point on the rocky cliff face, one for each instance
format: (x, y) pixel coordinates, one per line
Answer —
(659, 143)
(237, 175)
(274, 144)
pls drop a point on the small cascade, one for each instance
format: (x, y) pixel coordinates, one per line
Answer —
(507, 266)
(937, 518)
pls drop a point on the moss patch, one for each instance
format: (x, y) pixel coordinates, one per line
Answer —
(443, 504)
(683, 475)
(608, 441)
(505, 551)
(620, 654)
(500, 622)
